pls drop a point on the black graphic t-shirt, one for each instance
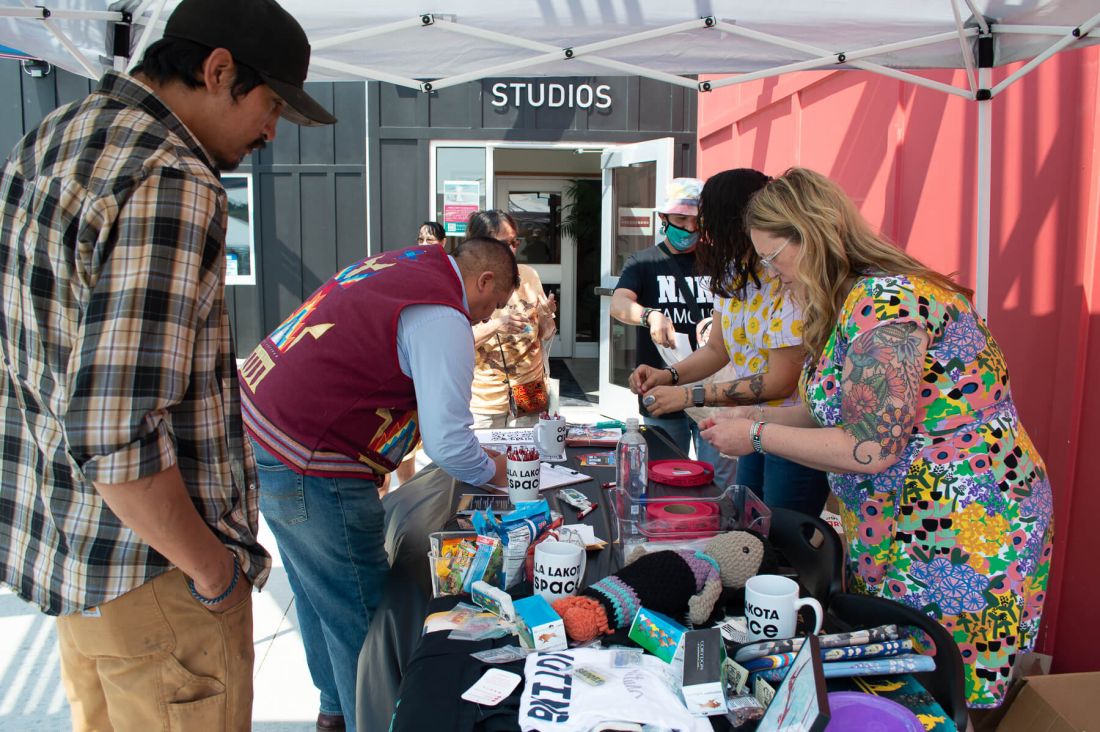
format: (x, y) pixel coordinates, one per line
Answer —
(653, 275)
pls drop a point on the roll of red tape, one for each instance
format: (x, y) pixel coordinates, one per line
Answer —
(672, 519)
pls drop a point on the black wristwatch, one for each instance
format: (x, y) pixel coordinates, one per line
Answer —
(699, 395)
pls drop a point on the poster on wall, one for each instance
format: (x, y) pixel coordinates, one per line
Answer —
(635, 221)
(460, 199)
(240, 248)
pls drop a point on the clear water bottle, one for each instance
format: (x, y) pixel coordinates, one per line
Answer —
(632, 468)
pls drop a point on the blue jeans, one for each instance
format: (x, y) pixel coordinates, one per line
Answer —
(684, 431)
(330, 537)
(783, 483)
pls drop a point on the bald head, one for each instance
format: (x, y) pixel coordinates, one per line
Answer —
(489, 273)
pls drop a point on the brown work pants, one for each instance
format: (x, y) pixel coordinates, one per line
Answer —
(156, 659)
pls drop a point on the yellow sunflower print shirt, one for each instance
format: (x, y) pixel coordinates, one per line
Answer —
(766, 317)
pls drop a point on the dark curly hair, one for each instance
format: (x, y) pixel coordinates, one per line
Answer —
(726, 254)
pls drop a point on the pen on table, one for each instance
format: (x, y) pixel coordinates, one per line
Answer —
(608, 424)
(585, 512)
(608, 485)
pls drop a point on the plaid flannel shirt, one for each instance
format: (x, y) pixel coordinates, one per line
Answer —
(117, 349)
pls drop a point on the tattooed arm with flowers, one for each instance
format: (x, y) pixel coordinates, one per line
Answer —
(880, 382)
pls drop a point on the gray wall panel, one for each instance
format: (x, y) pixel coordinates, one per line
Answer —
(400, 107)
(349, 133)
(39, 99)
(400, 179)
(282, 243)
(316, 144)
(351, 218)
(318, 201)
(11, 123)
(450, 108)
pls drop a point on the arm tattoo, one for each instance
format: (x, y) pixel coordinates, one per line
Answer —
(882, 375)
(755, 385)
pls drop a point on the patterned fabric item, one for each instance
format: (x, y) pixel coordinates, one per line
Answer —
(118, 347)
(521, 360)
(764, 318)
(960, 527)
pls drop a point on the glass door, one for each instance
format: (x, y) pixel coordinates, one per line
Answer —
(536, 205)
(634, 176)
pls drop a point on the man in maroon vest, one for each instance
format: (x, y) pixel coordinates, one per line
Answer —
(381, 354)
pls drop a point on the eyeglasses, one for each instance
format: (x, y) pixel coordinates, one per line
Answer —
(767, 261)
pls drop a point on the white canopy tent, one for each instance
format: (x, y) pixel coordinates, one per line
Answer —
(448, 43)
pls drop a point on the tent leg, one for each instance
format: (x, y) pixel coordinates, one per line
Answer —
(985, 181)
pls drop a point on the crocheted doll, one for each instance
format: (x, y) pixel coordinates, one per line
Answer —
(670, 582)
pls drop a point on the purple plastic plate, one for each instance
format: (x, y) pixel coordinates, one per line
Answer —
(850, 711)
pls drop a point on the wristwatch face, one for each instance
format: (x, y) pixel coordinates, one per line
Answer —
(698, 395)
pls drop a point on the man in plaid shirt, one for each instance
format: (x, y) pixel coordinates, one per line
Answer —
(128, 503)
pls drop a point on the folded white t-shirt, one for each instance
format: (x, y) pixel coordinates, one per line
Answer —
(639, 688)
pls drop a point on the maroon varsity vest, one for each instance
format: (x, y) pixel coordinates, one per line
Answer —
(324, 392)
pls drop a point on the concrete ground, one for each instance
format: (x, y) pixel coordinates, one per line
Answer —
(33, 700)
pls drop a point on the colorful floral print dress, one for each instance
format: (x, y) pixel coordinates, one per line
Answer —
(960, 527)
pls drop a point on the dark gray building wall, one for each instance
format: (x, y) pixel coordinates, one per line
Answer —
(309, 187)
(403, 123)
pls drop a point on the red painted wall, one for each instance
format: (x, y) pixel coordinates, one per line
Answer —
(907, 155)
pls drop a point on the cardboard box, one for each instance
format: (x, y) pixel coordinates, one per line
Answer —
(659, 634)
(1056, 703)
(540, 628)
(704, 652)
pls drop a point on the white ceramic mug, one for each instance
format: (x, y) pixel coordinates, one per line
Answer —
(771, 607)
(523, 480)
(559, 569)
(549, 436)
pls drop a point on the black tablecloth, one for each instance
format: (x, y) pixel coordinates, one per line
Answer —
(426, 504)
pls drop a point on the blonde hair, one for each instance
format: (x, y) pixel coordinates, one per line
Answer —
(836, 241)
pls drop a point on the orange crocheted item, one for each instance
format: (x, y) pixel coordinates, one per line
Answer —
(584, 617)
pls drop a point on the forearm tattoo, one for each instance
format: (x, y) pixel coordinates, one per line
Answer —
(755, 386)
(882, 373)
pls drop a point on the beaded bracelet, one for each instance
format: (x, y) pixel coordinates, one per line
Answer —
(675, 374)
(208, 601)
(754, 432)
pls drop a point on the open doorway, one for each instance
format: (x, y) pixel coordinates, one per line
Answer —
(554, 195)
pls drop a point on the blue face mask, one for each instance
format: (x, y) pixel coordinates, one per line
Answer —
(679, 239)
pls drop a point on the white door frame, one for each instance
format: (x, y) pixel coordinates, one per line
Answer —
(563, 274)
(616, 400)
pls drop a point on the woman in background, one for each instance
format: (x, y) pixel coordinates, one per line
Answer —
(431, 232)
(509, 345)
(906, 403)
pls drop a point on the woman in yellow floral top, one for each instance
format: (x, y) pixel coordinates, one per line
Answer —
(945, 501)
(509, 344)
(759, 333)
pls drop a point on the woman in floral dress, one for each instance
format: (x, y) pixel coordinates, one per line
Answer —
(944, 499)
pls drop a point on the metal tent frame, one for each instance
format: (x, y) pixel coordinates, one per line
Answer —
(977, 37)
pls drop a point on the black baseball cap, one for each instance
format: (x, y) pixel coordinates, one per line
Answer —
(259, 34)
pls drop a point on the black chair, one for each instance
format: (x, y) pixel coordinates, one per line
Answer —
(812, 548)
(847, 611)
